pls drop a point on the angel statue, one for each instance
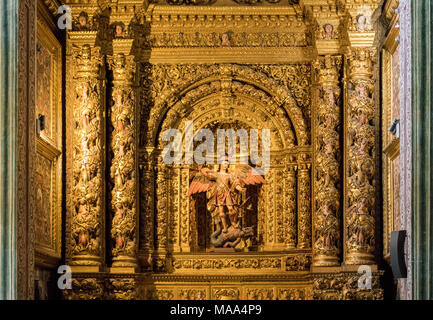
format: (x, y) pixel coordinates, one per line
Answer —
(223, 191)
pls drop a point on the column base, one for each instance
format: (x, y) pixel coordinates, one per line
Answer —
(304, 245)
(86, 263)
(359, 258)
(290, 246)
(124, 262)
(325, 261)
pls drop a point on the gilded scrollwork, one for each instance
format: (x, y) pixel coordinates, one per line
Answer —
(345, 286)
(193, 294)
(327, 161)
(160, 294)
(173, 85)
(298, 262)
(237, 39)
(260, 294)
(85, 289)
(294, 294)
(227, 263)
(121, 289)
(226, 293)
(88, 154)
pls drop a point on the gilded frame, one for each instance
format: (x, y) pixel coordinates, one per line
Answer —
(50, 149)
(390, 143)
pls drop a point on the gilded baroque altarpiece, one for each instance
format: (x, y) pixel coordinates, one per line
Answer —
(303, 69)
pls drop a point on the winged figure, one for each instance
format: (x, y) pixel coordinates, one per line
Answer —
(223, 190)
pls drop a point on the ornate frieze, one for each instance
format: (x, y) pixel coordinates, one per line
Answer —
(327, 161)
(88, 213)
(227, 39)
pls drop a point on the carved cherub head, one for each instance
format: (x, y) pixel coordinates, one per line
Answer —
(83, 20)
(361, 22)
(226, 39)
(328, 31)
(119, 30)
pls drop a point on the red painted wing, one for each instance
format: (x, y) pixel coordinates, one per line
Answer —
(248, 175)
(199, 184)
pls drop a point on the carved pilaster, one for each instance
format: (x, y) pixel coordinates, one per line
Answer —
(304, 202)
(184, 221)
(327, 159)
(88, 201)
(290, 205)
(124, 164)
(162, 208)
(147, 189)
(360, 147)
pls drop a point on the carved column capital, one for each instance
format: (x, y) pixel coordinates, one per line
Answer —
(327, 70)
(361, 61)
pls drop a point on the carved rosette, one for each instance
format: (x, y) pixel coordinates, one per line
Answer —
(360, 149)
(304, 203)
(123, 166)
(88, 155)
(327, 159)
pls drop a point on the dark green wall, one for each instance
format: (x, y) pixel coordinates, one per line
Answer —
(422, 148)
(8, 124)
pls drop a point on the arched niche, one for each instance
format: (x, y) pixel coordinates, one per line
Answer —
(228, 99)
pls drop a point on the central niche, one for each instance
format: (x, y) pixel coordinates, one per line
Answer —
(207, 228)
(278, 210)
(270, 208)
